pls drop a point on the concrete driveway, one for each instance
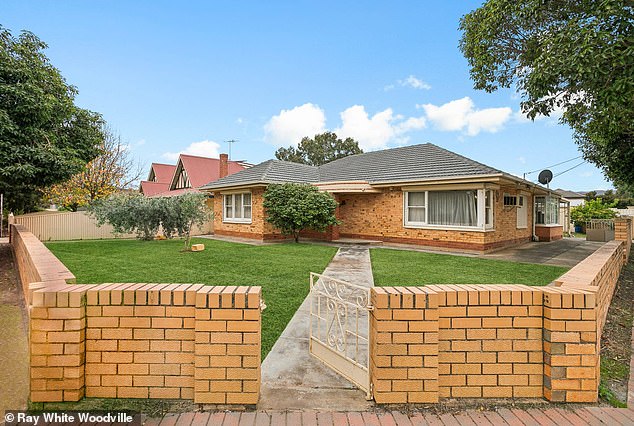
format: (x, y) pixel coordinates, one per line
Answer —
(566, 252)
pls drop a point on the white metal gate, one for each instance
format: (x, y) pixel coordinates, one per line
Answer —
(339, 327)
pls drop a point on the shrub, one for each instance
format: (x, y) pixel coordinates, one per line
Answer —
(134, 213)
(592, 209)
(293, 207)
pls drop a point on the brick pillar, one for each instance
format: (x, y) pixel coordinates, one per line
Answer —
(623, 232)
(227, 349)
(571, 346)
(57, 343)
(404, 345)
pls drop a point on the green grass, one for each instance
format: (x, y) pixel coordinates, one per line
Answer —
(400, 267)
(281, 269)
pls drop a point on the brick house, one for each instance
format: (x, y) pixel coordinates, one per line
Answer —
(419, 194)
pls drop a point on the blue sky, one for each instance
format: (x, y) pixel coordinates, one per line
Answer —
(186, 76)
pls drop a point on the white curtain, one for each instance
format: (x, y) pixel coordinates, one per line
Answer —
(416, 206)
(457, 208)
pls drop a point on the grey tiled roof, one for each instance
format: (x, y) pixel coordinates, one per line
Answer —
(569, 194)
(271, 171)
(409, 163)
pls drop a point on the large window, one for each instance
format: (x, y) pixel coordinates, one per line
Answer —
(447, 209)
(237, 207)
(547, 210)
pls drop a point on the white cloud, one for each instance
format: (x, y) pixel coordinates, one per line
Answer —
(411, 81)
(461, 115)
(522, 160)
(202, 149)
(290, 126)
(377, 131)
(415, 83)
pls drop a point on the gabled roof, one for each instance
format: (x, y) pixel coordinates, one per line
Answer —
(162, 173)
(202, 170)
(569, 194)
(149, 188)
(405, 164)
(271, 171)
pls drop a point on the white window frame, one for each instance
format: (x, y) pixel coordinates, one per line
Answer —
(481, 212)
(233, 218)
(548, 199)
(522, 212)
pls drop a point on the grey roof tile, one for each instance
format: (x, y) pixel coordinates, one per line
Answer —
(409, 163)
(271, 171)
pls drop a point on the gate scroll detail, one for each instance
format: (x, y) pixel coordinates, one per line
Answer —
(339, 324)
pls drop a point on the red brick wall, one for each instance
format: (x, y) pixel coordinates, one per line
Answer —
(549, 233)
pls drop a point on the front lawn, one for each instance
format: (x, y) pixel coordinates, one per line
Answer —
(400, 267)
(282, 270)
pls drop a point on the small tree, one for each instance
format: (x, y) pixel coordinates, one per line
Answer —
(180, 214)
(112, 170)
(593, 209)
(293, 207)
(129, 213)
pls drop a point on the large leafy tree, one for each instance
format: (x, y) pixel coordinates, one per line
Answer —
(294, 207)
(570, 55)
(44, 137)
(112, 170)
(321, 149)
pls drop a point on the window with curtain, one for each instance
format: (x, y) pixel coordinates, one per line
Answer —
(237, 207)
(453, 208)
(547, 210)
(449, 208)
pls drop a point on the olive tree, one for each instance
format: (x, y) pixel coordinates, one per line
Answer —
(134, 213)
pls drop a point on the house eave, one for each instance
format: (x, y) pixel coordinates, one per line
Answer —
(439, 180)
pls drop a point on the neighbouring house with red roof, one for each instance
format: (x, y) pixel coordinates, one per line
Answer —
(190, 173)
(158, 180)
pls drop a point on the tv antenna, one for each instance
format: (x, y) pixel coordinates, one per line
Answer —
(231, 142)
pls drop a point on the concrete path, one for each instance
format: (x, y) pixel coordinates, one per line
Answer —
(564, 252)
(551, 416)
(292, 379)
(14, 374)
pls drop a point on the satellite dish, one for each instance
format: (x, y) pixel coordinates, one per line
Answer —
(545, 177)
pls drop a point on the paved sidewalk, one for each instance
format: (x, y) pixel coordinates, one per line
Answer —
(598, 416)
(294, 379)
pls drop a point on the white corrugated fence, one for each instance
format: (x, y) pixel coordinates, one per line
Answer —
(60, 226)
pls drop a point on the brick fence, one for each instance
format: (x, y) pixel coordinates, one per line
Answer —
(187, 341)
(199, 342)
(496, 341)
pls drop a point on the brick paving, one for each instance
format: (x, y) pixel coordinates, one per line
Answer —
(599, 416)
